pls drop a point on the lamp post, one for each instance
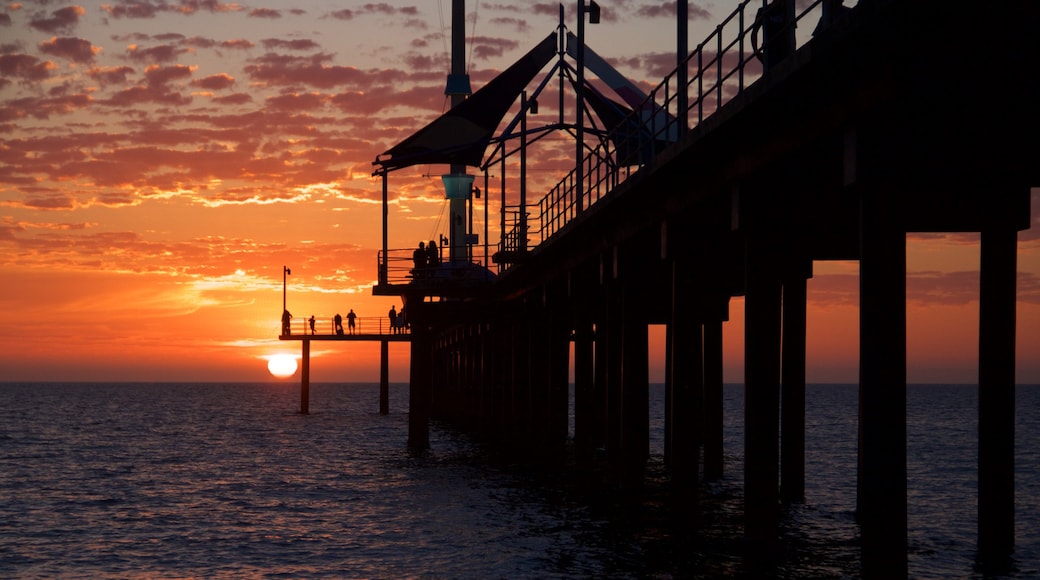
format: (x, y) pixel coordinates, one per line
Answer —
(592, 9)
(285, 272)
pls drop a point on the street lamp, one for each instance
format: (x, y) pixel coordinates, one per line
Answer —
(285, 272)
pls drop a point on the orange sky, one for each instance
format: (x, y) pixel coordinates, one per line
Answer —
(160, 160)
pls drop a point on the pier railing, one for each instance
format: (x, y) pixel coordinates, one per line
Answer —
(714, 73)
(363, 325)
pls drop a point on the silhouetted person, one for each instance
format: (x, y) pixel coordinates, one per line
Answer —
(350, 320)
(433, 257)
(776, 22)
(393, 319)
(337, 324)
(286, 317)
(402, 318)
(832, 10)
(419, 262)
(311, 320)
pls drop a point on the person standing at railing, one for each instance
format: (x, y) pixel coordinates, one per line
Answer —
(286, 317)
(419, 260)
(350, 320)
(311, 320)
(433, 257)
(337, 324)
(393, 319)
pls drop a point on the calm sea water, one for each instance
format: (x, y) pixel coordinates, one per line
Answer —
(227, 480)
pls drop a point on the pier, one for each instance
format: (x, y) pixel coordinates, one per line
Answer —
(790, 136)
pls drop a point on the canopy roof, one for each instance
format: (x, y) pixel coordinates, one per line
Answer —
(461, 135)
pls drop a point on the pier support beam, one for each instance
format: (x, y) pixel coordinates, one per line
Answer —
(792, 379)
(685, 362)
(420, 386)
(712, 432)
(305, 378)
(762, 319)
(882, 386)
(997, 395)
(384, 377)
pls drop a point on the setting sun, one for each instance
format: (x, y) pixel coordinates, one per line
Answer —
(282, 365)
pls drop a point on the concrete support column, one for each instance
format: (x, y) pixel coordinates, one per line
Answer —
(635, 385)
(711, 433)
(584, 385)
(792, 390)
(685, 356)
(997, 395)
(882, 391)
(762, 398)
(305, 377)
(384, 377)
(420, 386)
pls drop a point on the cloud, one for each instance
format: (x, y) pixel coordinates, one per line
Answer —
(215, 82)
(297, 44)
(161, 53)
(115, 75)
(152, 8)
(273, 69)
(62, 20)
(265, 13)
(74, 49)
(24, 66)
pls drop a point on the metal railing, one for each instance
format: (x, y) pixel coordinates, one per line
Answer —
(398, 267)
(719, 69)
(366, 325)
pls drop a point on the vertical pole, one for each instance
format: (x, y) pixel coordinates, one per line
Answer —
(997, 395)
(882, 386)
(419, 379)
(584, 373)
(687, 381)
(682, 12)
(386, 212)
(305, 377)
(792, 420)
(635, 428)
(579, 127)
(712, 433)
(384, 377)
(521, 244)
(762, 398)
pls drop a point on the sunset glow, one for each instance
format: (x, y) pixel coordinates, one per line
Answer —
(160, 161)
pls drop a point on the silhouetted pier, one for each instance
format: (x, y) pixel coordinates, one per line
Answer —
(783, 139)
(365, 330)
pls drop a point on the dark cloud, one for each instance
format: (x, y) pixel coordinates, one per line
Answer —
(24, 66)
(158, 76)
(110, 75)
(274, 69)
(295, 44)
(215, 82)
(152, 8)
(264, 13)
(162, 53)
(74, 49)
(62, 20)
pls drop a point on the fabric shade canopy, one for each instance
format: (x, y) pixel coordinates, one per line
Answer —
(461, 135)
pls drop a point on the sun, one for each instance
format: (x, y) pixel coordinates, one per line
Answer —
(282, 365)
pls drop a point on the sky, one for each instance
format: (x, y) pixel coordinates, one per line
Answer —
(162, 160)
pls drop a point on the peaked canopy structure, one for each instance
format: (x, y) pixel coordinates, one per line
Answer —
(461, 135)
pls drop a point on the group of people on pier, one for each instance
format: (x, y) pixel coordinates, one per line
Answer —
(425, 259)
(337, 323)
(398, 320)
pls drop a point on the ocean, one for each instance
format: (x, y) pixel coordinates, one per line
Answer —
(228, 481)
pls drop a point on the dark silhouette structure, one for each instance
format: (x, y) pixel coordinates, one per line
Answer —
(739, 171)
